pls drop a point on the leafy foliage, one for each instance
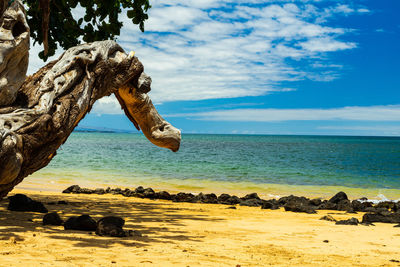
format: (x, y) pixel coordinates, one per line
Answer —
(100, 21)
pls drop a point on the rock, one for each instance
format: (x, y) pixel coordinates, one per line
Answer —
(111, 226)
(233, 200)
(82, 223)
(338, 197)
(352, 221)
(326, 241)
(99, 191)
(184, 197)
(149, 193)
(72, 189)
(299, 207)
(250, 196)
(223, 199)
(21, 202)
(397, 225)
(86, 191)
(108, 189)
(328, 218)
(139, 190)
(52, 219)
(270, 204)
(381, 216)
(315, 202)
(116, 191)
(252, 202)
(164, 195)
(128, 193)
(62, 202)
(231, 207)
(207, 198)
(326, 205)
(284, 200)
(360, 206)
(389, 205)
(345, 205)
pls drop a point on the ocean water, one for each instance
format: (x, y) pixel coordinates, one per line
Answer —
(207, 162)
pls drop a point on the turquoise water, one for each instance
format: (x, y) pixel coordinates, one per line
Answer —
(359, 162)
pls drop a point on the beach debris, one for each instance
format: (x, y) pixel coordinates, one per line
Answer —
(111, 226)
(393, 260)
(326, 241)
(338, 197)
(328, 218)
(52, 219)
(21, 202)
(383, 216)
(351, 221)
(82, 223)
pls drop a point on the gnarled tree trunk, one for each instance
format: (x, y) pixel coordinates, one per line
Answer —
(36, 117)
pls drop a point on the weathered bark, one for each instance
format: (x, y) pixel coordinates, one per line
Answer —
(49, 104)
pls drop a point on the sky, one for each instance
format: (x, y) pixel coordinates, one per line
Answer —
(314, 67)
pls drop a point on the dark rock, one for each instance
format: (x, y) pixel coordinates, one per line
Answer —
(231, 207)
(352, 221)
(315, 202)
(299, 207)
(62, 202)
(233, 200)
(328, 218)
(252, 202)
(326, 205)
(345, 205)
(326, 241)
(250, 196)
(284, 200)
(86, 191)
(270, 204)
(338, 197)
(389, 205)
(164, 195)
(20, 202)
(223, 199)
(139, 190)
(207, 198)
(111, 226)
(184, 197)
(116, 191)
(82, 223)
(99, 191)
(360, 206)
(381, 216)
(72, 189)
(128, 193)
(397, 225)
(363, 199)
(149, 193)
(52, 219)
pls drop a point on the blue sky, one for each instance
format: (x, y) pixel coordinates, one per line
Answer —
(267, 67)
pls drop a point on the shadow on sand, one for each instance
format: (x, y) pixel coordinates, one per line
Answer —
(158, 221)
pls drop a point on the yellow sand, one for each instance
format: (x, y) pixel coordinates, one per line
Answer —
(184, 234)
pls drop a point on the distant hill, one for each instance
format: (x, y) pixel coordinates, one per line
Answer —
(90, 129)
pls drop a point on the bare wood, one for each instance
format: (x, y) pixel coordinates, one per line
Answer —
(49, 104)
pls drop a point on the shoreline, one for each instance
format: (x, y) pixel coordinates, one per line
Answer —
(191, 234)
(240, 189)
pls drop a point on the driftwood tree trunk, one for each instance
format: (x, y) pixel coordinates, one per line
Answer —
(39, 115)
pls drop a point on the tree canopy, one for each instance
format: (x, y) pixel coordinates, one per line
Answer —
(53, 23)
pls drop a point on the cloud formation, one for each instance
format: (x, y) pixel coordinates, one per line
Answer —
(371, 113)
(207, 49)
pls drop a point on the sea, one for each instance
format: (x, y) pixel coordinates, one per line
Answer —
(271, 165)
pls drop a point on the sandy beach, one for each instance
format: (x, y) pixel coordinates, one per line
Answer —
(186, 234)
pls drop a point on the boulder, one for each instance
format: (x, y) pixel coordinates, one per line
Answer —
(184, 197)
(352, 221)
(270, 204)
(338, 197)
(326, 205)
(21, 202)
(149, 193)
(328, 218)
(345, 205)
(139, 190)
(82, 223)
(72, 189)
(52, 219)
(99, 191)
(111, 226)
(298, 206)
(360, 206)
(252, 202)
(164, 195)
(250, 196)
(223, 198)
(315, 202)
(381, 216)
(207, 198)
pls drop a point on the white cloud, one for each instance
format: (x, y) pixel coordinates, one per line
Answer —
(107, 105)
(370, 113)
(208, 49)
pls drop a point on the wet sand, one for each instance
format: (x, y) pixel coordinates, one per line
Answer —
(186, 234)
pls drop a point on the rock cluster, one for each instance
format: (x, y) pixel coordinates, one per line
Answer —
(387, 211)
